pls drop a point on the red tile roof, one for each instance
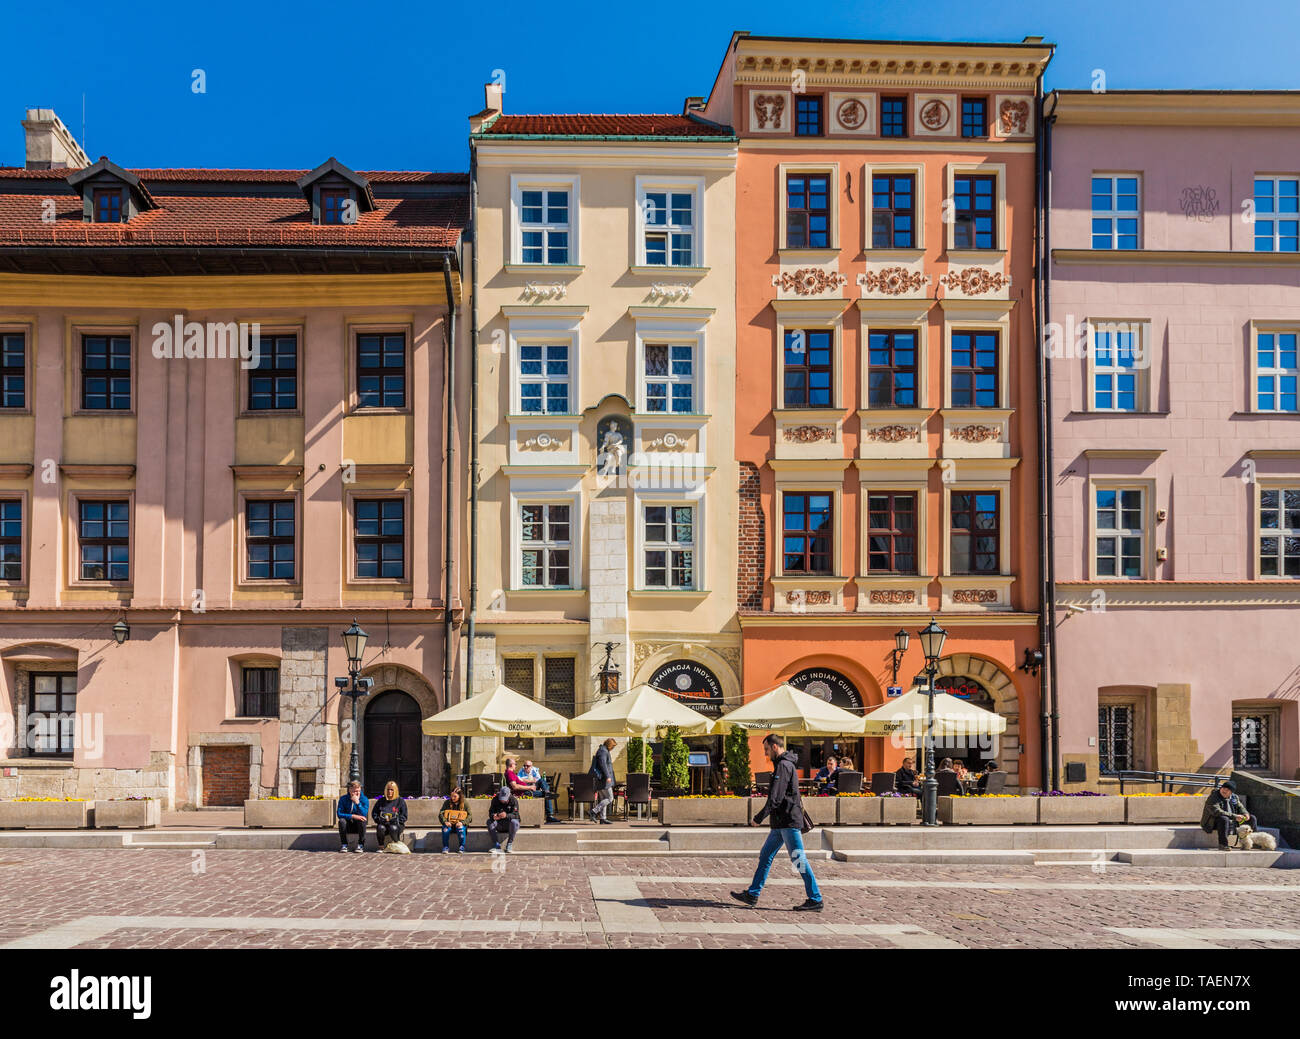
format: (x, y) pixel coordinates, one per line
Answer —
(418, 211)
(606, 126)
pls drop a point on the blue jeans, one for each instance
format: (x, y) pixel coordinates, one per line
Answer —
(447, 831)
(793, 841)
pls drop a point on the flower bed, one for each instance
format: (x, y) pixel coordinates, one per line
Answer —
(1071, 809)
(1162, 808)
(704, 811)
(988, 811)
(44, 814)
(133, 813)
(289, 813)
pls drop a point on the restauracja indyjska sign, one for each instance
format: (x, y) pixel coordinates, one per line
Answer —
(691, 683)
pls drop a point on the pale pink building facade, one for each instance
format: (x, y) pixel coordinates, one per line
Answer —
(1174, 306)
(235, 519)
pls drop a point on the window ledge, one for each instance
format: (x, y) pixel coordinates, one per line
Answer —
(670, 593)
(547, 591)
(681, 272)
(1118, 414)
(544, 268)
(967, 256)
(1264, 414)
(808, 255)
(896, 255)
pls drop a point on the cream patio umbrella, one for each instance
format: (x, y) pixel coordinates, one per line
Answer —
(641, 711)
(787, 709)
(906, 716)
(502, 712)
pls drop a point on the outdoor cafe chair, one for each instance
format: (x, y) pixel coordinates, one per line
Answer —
(762, 782)
(482, 785)
(882, 783)
(637, 792)
(994, 783)
(582, 790)
(949, 784)
(847, 782)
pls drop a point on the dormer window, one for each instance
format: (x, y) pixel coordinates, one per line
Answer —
(337, 207)
(336, 194)
(108, 206)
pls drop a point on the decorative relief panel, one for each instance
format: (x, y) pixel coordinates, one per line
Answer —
(808, 434)
(893, 434)
(1014, 116)
(769, 111)
(936, 115)
(541, 442)
(974, 281)
(975, 596)
(538, 292)
(892, 597)
(893, 281)
(975, 434)
(851, 113)
(667, 292)
(809, 281)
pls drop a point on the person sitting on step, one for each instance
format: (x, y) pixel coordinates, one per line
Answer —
(1223, 812)
(503, 819)
(455, 818)
(389, 814)
(352, 812)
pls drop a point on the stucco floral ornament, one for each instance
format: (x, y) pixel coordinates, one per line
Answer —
(976, 434)
(975, 281)
(893, 281)
(808, 434)
(1013, 117)
(809, 281)
(892, 434)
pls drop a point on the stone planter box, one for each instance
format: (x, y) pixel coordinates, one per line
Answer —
(859, 811)
(898, 811)
(532, 811)
(44, 815)
(128, 815)
(1071, 811)
(988, 811)
(1162, 809)
(709, 811)
(290, 815)
(823, 811)
(420, 812)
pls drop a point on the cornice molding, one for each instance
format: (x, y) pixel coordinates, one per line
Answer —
(1176, 108)
(1174, 258)
(267, 472)
(97, 471)
(1178, 594)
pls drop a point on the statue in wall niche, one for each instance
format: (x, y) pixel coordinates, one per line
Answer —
(613, 435)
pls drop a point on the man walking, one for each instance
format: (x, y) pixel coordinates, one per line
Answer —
(785, 810)
(602, 772)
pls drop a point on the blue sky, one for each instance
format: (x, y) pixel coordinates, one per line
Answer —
(287, 85)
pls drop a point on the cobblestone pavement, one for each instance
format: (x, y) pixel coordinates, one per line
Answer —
(277, 899)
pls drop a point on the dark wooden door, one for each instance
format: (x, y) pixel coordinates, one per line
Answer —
(391, 744)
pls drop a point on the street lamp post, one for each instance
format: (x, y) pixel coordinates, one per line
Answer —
(354, 645)
(932, 639)
(901, 639)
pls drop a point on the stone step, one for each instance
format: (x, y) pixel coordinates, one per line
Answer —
(601, 847)
(1014, 838)
(174, 845)
(919, 857)
(1072, 856)
(1253, 859)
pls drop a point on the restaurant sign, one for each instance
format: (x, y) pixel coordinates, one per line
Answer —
(691, 683)
(830, 686)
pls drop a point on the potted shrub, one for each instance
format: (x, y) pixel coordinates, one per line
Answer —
(128, 813)
(44, 813)
(735, 752)
(675, 767)
(294, 813)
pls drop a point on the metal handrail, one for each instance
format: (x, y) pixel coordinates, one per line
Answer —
(1169, 779)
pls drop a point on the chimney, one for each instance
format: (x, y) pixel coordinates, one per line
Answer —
(491, 107)
(50, 145)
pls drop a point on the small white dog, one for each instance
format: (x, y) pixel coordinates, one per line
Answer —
(1248, 839)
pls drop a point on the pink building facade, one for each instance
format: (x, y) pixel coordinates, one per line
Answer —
(1174, 305)
(235, 519)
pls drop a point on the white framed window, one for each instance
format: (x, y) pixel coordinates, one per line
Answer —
(669, 378)
(1279, 531)
(669, 535)
(545, 221)
(544, 385)
(1116, 209)
(669, 220)
(1277, 370)
(1119, 532)
(546, 557)
(1117, 361)
(1277, 214)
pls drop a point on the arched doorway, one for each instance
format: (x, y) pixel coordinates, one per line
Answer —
(391, 742)
(973, 751)
(839, 691)
(691, 683)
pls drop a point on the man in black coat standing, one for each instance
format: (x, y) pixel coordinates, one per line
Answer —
(785, 810)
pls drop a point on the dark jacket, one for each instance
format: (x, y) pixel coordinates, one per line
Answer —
(784, 806)
(905, 781)
(382, 806)
(511, 808)
(1217, 808)
(602, 768)
(344, 809)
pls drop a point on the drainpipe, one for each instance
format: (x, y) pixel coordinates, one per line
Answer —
(449, 498)
(472, 606)
(1048, 458)
(1050, 717)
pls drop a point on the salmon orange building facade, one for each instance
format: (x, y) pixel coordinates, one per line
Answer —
(887, 389)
